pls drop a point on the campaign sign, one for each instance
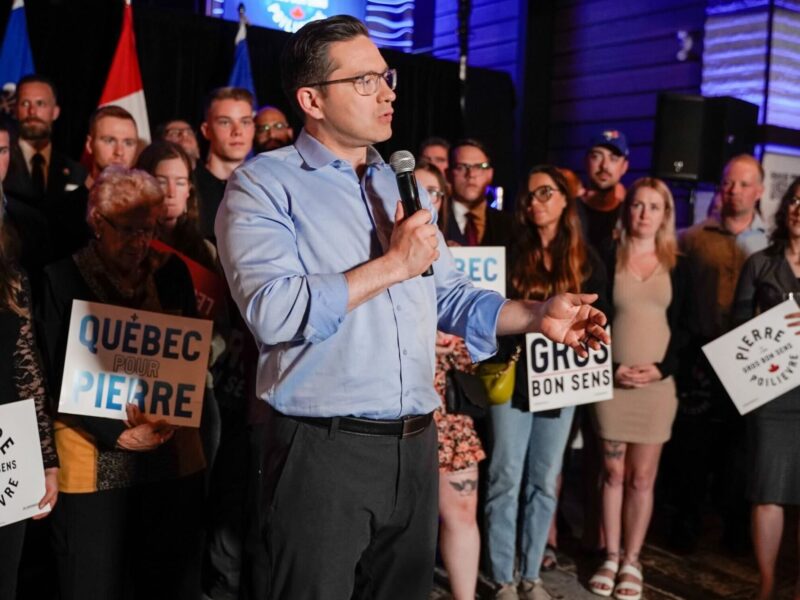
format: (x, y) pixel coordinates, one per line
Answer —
(21, 469)
(558, 377)
(118, 355)
(209, 288)
(484, 265)
(758, 361)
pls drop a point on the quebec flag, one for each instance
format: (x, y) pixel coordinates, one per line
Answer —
(242, 76)
(16, 59)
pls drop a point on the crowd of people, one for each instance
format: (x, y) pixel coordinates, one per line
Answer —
(314, 471)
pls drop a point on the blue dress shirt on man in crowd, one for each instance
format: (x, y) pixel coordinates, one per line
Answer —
(293, 221)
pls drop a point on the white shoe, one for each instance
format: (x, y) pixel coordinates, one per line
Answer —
(629, 586)
(597, 579)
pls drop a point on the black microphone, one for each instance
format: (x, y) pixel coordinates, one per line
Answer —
(402, 163)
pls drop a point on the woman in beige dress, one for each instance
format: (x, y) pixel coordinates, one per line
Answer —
(647, 282)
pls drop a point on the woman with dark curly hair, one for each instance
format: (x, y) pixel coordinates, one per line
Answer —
(773, 446)
(21, 378)
(548, 257)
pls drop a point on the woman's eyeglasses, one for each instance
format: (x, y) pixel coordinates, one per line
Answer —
(542, 194)
(129, 232)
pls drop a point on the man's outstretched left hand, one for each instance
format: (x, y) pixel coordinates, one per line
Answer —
(571, 319)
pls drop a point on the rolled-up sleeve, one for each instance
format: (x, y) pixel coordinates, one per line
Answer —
(258, 249)
(465, 310)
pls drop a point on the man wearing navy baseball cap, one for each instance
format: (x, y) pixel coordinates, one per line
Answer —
(606, 163)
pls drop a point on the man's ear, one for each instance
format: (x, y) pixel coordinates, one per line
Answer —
(204, 129)
(56, 111)
(88, 145)
(311, 102)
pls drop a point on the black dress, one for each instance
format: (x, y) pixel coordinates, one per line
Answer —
(21, 377)
(773, 443)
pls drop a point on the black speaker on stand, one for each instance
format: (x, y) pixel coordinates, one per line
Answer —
(678, 148)
(730, 128)
(695, 136)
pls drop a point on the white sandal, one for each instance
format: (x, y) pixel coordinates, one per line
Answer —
(597, 579)
(630, 586)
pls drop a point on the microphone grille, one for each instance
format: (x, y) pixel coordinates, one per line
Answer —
(402, 161)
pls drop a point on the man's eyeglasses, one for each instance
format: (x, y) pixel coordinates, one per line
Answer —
(542, 194)
(129, 232)
(176, 133)
(465, 168)
(266, 127)
(366, 84)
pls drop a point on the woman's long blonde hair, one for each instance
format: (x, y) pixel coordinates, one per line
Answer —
(666, 243)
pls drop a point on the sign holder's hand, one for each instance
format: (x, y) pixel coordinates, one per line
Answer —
(796, 322)
(143, 435)
(50, 492)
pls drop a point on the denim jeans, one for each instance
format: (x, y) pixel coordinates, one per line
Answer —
(526, 448)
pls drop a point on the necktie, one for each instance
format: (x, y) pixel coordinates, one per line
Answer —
(37, 174)
(471, 230)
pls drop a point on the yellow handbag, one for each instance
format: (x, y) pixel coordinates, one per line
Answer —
(498, 378)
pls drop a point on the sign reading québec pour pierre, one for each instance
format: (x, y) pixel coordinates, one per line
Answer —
(484, 265)
(758, 361)
(558, 377)
(118, 355)
(21, 469)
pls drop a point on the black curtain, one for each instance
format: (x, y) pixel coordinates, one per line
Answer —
(183, 55)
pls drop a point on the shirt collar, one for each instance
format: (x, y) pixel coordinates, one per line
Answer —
(317, 155)
(28, 151)
(757, 224)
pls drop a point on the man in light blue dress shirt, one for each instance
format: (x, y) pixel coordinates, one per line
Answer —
(327, 273)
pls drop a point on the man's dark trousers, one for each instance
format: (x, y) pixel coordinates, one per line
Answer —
(348, 515)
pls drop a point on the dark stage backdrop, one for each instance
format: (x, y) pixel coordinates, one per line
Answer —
(183, 55)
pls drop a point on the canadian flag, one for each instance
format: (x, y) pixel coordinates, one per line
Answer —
(124, 84)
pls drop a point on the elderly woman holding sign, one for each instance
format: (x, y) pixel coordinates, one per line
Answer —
(647, 283)
(773, 445)
(548, 257)
(131, 490)
(21, 378)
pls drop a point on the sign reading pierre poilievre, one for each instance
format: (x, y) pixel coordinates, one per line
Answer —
(759, 360)
(558, 377)
(21, 468)
(118, 355)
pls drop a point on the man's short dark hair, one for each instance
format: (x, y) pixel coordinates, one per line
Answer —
(110, 110)
(434, 141)
(34, 78)
(469, 142)
(227, 93)
(305, 58)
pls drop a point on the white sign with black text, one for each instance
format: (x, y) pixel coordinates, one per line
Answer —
(558, 377)
(758, 361)
(117, 356)
(484, 265)
(21, 468)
